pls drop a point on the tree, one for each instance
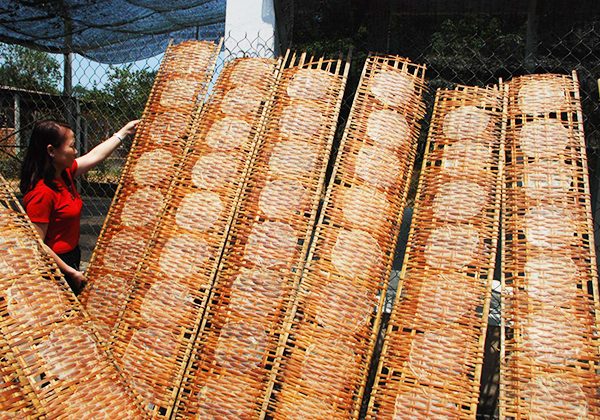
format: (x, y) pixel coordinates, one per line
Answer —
(125, 93)
(25, 68)
(475, 42)
(129, 89)
(122, 98)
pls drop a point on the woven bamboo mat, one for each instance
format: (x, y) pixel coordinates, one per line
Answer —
(432, 354)
(334, 321)
(229, 369)
(54, 364)
(17, 398)
(549, 356)
(140, 199)
(153, 339)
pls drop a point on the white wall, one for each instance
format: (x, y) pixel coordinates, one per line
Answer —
(250, 26)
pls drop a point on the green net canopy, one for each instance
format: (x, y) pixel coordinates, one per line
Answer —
(109, 31)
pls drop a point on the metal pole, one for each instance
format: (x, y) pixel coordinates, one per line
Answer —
(71, 103)
(68, 72)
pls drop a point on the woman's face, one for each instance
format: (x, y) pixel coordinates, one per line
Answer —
(64, 155)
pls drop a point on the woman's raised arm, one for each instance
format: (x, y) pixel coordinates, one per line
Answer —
(104, 149)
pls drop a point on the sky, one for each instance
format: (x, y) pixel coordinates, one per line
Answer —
(249, 21)
(88, 73)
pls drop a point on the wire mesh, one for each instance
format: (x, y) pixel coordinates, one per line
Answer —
(104, 97)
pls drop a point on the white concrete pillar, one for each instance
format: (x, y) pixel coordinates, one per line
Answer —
(250, 28)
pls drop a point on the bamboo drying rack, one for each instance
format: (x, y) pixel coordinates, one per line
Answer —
(16, 395)
(550, 309)
(237, 343)
(176, 96)
(51, 354)
(433, 350)
(174, 279)
(333, 323)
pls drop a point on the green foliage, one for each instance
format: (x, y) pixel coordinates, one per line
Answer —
(130, 89)
(475, 41)
(122, 98)
(318, 19)
(329, 28)
(124, 95)
(25, 68)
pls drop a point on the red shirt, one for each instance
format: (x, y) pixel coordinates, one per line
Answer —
(60, 209)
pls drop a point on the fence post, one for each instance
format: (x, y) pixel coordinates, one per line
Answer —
(594, 177)
(531, 41)
(17, 121)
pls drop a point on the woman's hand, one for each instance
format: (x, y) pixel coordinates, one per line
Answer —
(76, 280)
(104, 149)
(128, 129)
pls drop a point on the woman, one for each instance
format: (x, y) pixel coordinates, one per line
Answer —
(49, 194)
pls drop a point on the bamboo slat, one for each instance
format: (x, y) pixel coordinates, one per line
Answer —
(432, 354)
(549, 354)
(17, 398)
(52, 362)
(153, 339)
(334, 321)
(140, 199)
(231, 359)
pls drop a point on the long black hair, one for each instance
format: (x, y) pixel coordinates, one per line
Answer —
(37, 163)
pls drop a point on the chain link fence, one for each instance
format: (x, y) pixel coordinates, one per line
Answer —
(460, 54)
(103, 98)
(480, 51)
(474, 51)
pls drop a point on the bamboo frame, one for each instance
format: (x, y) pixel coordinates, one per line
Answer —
(234, 352)
(174, 280)
(432, 354)
(176, 96)
(16, 395)
(50, 346)
(331, 325)
(549, 354)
